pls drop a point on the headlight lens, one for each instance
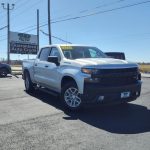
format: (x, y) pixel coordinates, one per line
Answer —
(89, 70)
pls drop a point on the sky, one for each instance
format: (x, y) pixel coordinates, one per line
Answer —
(124, 30)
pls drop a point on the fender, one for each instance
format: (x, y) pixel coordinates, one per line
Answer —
(76, 74)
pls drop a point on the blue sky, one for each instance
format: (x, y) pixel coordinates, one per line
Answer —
(126, 30)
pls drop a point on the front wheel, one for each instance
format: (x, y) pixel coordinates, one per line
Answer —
(71, 97)
(3, 72)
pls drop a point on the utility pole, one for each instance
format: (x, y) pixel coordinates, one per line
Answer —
(8, 28)
(49, 23)
(38, 28)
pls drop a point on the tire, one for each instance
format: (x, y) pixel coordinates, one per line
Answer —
(3, 72)
(124, 104)
(71, 97)
(29, 86)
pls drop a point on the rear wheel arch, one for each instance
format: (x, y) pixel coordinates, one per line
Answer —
(26, 71)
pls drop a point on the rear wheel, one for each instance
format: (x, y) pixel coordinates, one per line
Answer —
(3, 72)
(29, 86)
(71, 97)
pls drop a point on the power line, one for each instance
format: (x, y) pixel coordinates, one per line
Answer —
(22, 4)
(92, 14)
(101, 12)
(3, 27)
(17, 1)
(34, 4)
(97, 7)
(60, 39)
(104, 5)
(100, 6)
(83, 11)
(96, 13)
(108, 4)
(26, 29)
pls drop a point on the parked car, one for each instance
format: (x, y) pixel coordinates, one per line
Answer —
(82, 74)
(4, 70)
(116, 55)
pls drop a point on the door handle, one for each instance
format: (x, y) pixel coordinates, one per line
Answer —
(46, 66)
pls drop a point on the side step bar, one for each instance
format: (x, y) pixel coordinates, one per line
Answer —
(48, 91)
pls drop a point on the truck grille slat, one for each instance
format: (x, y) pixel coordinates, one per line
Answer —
(117, 77)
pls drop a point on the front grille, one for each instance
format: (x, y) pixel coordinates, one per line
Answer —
(116, 77)
(122, 70)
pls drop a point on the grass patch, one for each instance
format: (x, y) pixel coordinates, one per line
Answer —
(144, 68)
(16, 65)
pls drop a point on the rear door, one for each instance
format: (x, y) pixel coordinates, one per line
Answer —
(41, 65)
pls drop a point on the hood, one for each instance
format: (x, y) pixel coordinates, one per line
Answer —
(104, 62)
(4, 65)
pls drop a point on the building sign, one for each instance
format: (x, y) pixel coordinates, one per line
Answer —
(22, 43)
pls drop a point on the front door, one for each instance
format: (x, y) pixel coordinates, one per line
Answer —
(51, 71)
(40, 66)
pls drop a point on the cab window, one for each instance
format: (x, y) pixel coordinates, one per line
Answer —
(55, 52)
(45, 52)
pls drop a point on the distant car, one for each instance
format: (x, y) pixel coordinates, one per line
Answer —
(116, 55)
(4, 70)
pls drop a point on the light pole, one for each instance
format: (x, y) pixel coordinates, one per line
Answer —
(49, 23)
(38, 43)
(8, 8)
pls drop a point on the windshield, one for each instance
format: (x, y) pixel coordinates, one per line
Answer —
(77, 52)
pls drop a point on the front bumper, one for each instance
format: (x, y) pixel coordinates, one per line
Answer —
(95, 93)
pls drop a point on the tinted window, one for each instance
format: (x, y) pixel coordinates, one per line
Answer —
(116, 55)
(76, 52)
(92, 53)
(55, 52)
(44, 54)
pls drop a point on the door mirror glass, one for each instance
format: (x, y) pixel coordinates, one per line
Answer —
(53, 59)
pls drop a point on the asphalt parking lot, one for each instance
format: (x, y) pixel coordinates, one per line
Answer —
(39, 122)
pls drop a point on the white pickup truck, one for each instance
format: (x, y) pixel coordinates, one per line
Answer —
(81, 75)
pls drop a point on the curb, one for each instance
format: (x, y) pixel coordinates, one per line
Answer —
(145, 75)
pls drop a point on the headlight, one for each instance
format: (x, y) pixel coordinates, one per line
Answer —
(89, 70)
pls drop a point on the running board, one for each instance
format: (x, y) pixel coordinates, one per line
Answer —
(48, 91)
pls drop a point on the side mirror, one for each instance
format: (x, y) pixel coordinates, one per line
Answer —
(53, 59)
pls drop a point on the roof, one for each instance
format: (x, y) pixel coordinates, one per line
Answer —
(68, 45)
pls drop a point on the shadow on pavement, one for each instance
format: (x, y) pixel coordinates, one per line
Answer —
(121, 119)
